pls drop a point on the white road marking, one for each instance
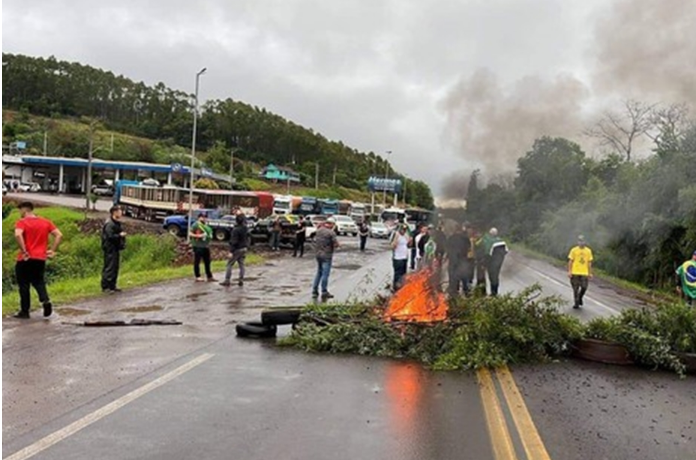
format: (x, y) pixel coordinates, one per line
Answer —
(590, 298)
(102, 412)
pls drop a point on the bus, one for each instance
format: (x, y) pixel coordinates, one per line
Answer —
(418, 215)
(392, 216)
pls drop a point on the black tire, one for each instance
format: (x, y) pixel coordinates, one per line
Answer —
(256, 329)
(174, 230)
(280, 316)
(354, 235)
(220, 234)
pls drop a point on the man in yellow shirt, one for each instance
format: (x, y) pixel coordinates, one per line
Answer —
(580, 270)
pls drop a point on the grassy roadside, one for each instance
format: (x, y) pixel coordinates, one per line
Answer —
(71, 290)
(601, 274)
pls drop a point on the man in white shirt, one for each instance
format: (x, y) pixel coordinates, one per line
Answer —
(400, 242)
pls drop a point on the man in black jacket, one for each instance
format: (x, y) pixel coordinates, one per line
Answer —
(239, 241)
(364, 231)
(300, 237)
(458, 247)
(113, 242)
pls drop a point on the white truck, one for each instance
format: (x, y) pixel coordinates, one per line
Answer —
(282, 204)
(358, 211)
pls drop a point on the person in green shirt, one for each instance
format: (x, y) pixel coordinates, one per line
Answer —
(201, 234)
(686, 280)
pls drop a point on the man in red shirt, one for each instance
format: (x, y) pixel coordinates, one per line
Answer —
(31, 233)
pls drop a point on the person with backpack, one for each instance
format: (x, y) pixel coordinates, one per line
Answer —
(239, 242)
(32, 235)
(201, 234)
(113, 241)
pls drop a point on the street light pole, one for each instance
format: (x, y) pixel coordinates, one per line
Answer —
(90, 153)
(386, 177)
(193, 153)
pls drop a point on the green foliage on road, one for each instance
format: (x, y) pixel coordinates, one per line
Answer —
(639, 217)
(75, 272)
(157, 118)
(494, 331)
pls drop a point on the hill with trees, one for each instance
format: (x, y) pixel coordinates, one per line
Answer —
(154, 123)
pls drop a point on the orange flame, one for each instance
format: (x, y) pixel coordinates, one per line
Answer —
(419, 299)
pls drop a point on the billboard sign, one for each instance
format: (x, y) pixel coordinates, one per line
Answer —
(380, 184)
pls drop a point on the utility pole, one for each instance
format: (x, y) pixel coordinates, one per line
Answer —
(112, 142)
(334, 176)
(232, 168)
(386, 177)
(405, 205)
(88, 189)
(316, 176)
(193, 154)
(45, 144)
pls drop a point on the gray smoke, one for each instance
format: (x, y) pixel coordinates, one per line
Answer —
(642, 50)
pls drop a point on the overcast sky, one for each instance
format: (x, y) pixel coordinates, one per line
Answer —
(374, 74)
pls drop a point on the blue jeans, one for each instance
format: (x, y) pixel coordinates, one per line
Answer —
(322, 276)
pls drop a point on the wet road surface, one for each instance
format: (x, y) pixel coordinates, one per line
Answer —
(247, 399)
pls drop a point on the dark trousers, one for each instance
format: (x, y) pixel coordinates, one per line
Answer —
(412, 258)
(494, 267)
(400, 266)
(481, 276)
(204, 255)
(112, 261)
(31, 273)
(299, 246)
(363, 242)
(579, 284)
(458, 277)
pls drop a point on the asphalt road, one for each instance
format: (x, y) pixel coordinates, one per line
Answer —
(196, 390)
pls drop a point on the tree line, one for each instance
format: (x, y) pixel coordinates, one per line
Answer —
(638, 215)
(52, 88)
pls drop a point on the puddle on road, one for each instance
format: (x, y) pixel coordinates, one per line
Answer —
(67, 311)
(347, 267)
(143, 309)
(197, 295)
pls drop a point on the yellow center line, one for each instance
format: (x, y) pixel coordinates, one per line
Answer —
(497, 428)
(533, 445)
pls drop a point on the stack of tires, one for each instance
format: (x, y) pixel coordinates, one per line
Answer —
(271, 318)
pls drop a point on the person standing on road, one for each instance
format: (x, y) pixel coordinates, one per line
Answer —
(440, 243)
(32, 234)
(421, 240)
(239, 242)
(113, 240)
(686, 280)
(275, 234)
(400, 252)
(364, 231)
(413, 249)
(201, 234)
(579, 270)
(325, 243)
(457, 248)
(469, 262)
(496, 250)
(300, 237)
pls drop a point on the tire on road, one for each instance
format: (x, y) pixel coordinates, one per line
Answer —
(256, 329)
(174, 229)
(280, 316)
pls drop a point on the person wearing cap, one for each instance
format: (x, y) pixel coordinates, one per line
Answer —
(201, 234)
(496, 250)
(579, 270)
(686, 280)
(325, 242)
(400, 251)
(113, 241)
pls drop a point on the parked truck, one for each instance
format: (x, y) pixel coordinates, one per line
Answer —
(358, 211)
(282, 204)
(309, 205)
(344, 207)
(328, 207)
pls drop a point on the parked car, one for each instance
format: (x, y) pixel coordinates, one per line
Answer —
(312, 225)
(345, 225)
(4, 190)
(103, 190)
(379, 230)
(261, 231)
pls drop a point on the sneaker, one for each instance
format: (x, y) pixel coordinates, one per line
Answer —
(240, 283)
(199, 280)
(21, 315)
(315, 295)
(225, 283)
(576, 306)
(211, 279)
(47, 309)
(115, 290)
(327, 295)
(580, 302)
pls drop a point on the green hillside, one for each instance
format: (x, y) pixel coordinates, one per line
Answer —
(154, 123)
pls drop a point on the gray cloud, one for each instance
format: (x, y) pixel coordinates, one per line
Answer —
(372, 74)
